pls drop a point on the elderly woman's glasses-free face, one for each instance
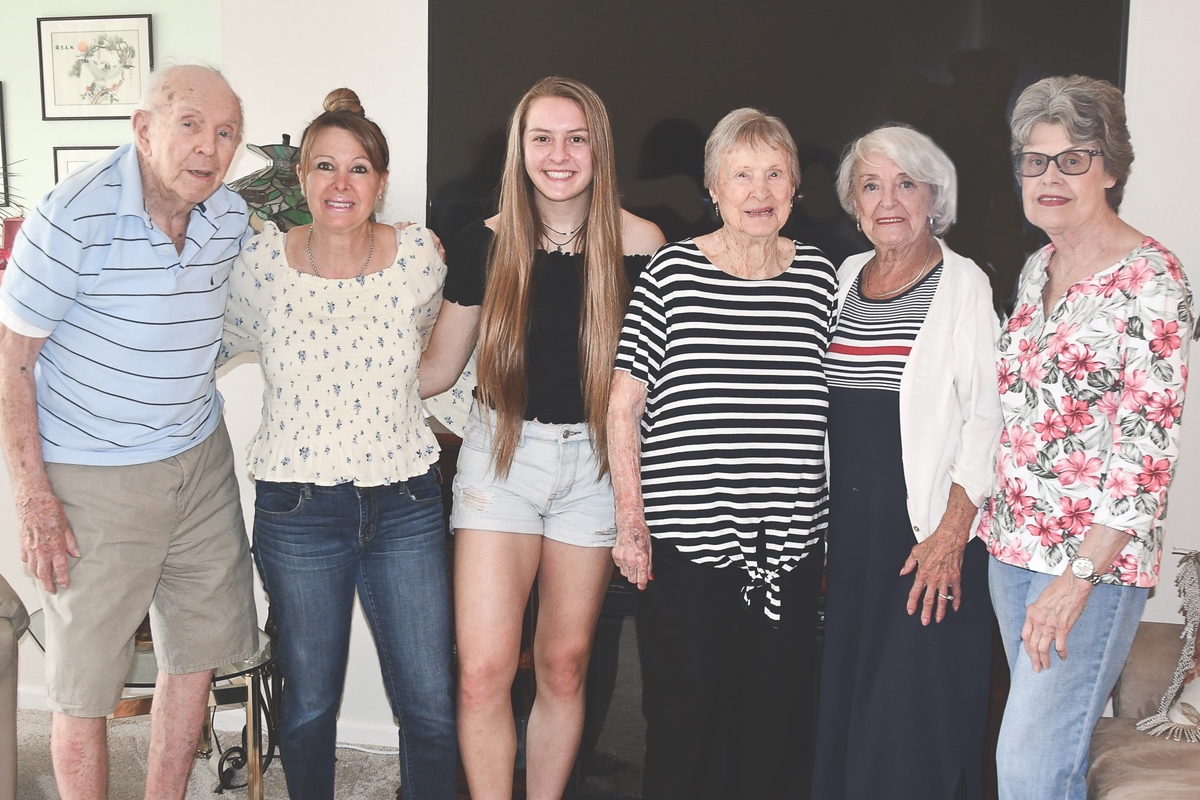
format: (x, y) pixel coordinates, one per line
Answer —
(1069, 162)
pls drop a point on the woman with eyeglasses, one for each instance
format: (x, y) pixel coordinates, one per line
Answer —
(1092, 367)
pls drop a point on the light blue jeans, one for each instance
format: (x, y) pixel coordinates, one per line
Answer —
(1045, 737)
(315, 547)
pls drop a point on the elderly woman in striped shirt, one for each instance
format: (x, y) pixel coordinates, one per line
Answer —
(913, 424)
(716, 440)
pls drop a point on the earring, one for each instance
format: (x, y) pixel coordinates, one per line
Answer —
(931, 222)
(858, 224)
(716, 209)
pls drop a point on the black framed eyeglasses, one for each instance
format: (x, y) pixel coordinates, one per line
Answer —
(1069, 162)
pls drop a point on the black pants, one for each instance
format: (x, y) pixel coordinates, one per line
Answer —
(728, 699)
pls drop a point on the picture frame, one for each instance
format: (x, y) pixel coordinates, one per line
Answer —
(5, 200)
(94, 67)
(69, 159)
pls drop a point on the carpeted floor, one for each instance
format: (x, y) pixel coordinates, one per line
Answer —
(360, 776)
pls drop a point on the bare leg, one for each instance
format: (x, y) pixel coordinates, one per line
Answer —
(493, 573)
(571, 585)
(79, 750)
(176, 718)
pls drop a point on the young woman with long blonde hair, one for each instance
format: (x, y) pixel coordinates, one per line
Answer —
(541, 288)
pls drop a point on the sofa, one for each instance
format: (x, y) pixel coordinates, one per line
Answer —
(1127, 764)
(13, 622)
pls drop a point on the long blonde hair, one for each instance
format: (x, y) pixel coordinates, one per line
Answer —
(504, 321)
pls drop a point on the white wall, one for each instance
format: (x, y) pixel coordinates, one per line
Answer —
(382, 56)
(1163, 106)
(283, 57)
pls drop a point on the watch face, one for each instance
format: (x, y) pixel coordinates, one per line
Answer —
(1082, 567)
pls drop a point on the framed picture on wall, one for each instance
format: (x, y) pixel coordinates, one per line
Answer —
(93, 67)
(69, 159)
(3, 154)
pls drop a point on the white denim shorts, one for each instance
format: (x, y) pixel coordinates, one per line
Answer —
(553, 489)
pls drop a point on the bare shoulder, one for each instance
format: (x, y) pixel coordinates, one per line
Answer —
(639, 236)
(492, 223)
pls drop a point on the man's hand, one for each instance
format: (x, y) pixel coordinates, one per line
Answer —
(46, 539)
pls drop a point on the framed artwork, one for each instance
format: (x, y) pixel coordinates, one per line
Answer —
(4, 200)
(69, 159)
(93, 67)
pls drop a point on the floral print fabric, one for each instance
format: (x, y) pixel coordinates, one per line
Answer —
(339, 358)
(1092, 397)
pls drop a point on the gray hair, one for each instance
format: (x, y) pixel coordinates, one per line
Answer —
(915, 154)
(1091, 112)
(154, 95)
(748, 127)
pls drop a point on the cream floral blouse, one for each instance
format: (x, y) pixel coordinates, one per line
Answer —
(339, 358)
(1092, 398)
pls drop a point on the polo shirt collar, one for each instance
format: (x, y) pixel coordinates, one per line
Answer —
(132, 201)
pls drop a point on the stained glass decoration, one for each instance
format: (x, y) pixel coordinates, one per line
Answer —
(273, 193)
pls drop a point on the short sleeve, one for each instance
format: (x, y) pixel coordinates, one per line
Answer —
(42, 279)
(244, 311)
(425, 274)
(644, 332)
(466, 262)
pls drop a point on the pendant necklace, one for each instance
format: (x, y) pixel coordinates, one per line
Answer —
(313, 264)
(571, 235)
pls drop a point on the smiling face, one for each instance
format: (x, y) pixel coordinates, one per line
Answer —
(1056, 202)
(754, 190)
(892, 208)
(188, 139)
(558, 150)
(341, 185)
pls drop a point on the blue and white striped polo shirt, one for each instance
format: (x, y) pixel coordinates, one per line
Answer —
(132, 327)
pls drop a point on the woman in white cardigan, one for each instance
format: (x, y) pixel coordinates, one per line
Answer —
(914, 420)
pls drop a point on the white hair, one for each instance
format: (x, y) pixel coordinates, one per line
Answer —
(915, 154)
(154, 93)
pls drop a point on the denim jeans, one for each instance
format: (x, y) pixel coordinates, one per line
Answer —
(1047, 730)
(314, 545)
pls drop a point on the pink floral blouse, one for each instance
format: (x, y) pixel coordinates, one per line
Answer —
(1092, 397)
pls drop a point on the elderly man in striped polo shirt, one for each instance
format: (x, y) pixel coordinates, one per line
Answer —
(110, 321)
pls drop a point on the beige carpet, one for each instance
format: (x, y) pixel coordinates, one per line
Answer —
(360, 776)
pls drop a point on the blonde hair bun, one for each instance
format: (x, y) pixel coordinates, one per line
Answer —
(344, 100)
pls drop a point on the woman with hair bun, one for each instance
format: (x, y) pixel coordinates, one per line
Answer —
(347, 499)
(545, 283)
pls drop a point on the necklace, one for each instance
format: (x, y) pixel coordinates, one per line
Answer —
(894, 292)
(313, 264)
(571, 235)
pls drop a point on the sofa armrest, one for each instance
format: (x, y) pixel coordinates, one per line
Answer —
(1149, 669)
(11, 608)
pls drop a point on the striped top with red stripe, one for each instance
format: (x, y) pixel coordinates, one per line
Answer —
(874, 337)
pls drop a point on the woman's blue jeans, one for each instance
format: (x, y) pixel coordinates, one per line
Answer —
(314, 545)
(1046, 734)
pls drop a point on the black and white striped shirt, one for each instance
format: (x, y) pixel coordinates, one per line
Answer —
(874, 337)
(733, 434)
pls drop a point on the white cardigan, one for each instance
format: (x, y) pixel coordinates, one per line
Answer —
(950, 417)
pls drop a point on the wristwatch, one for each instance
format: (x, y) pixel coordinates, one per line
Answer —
(1082, 567)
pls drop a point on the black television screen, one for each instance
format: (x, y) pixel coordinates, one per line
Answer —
(832, 70)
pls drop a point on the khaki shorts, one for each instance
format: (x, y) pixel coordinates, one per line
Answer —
(166, 536)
